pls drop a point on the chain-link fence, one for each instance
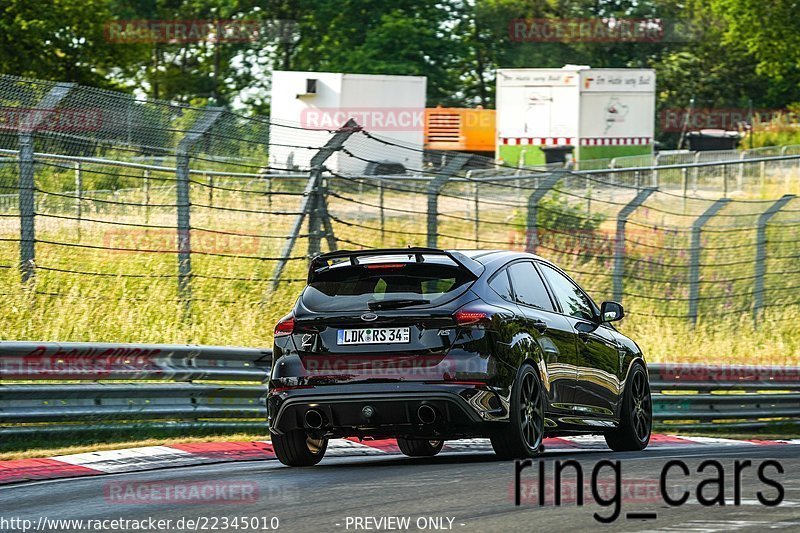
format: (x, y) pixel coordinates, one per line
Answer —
(150, 208)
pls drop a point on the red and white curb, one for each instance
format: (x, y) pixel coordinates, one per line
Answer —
(153, 457)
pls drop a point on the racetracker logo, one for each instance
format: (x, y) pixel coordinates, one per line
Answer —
(675, 120)
(193, 31)
(600, 30)
(49, 119)
(369, 118)
(180, 492)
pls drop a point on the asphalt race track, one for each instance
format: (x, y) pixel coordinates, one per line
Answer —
(469, 491)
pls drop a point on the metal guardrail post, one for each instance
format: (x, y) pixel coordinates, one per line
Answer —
(311, 200)
(761, 251)
(532, 225)
(435, 185)
(619, 240)
(183, 200)
(27, 200)
(695, 250)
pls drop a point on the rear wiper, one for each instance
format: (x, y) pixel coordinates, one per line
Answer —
(394, 304)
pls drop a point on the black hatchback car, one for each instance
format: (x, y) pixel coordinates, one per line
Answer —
(427, 345)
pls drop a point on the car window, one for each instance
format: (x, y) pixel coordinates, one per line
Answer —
(356, 287)
(573, 301)
(501, 286)
(528, 286)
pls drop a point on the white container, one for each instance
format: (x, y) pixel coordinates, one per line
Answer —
(602, 113)
(388, 107)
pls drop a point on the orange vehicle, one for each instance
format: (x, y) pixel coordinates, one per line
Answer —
(461, 130)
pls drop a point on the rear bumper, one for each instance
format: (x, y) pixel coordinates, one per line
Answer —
(460, 410)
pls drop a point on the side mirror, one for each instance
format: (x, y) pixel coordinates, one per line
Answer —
(611, 311)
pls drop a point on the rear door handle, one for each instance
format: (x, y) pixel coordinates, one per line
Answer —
(540, 326)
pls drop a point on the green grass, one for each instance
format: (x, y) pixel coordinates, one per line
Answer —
(233, 304)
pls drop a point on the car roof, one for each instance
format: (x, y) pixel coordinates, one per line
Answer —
(489, 257)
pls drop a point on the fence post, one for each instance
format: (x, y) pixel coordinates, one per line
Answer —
(183, 200)
(78, 196)
(27, 201)
(696, 172)
(310, 200)
(619, 240)
(532, 223)
(685, 185)
(477, 227)
(656, 161)
(146, 177)
(694, 258)
(381, 209)
(761, 251)
(435, 185)
(724, 180)
(740, 175)
(27, 207)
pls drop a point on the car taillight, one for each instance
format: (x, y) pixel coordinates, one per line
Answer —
(385, 266)
(466, 318)
(285, 326)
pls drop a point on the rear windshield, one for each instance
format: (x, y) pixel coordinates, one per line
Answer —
(385, 286)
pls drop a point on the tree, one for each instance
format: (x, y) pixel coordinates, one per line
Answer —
(62, 41)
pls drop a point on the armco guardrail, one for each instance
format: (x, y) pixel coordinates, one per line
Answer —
(77, 386)
(697, 396)
(80, 386)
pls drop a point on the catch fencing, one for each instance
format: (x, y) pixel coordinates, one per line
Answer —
(80, 387)
(177, 213)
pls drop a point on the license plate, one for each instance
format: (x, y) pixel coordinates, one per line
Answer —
(373, 336)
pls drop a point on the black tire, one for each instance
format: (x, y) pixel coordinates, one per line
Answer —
(295, 448)
(636, 416)
(419, 448)
(523, 434)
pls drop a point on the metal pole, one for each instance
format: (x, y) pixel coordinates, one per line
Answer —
(435, 185)
(183, 201)
(184, 229)
(740, 175)
(78, 196)
(146, 196)
(27, 207)
(477, 227)
(619, 240)
(27, 200)
(724, 180)
(313, 213)
(381, 209)
(761, 251)
(532, 225)
(685, 185)
(694, 259)
(309, 196)
(210, 180)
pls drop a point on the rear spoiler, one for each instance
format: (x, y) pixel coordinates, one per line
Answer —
(321, 262)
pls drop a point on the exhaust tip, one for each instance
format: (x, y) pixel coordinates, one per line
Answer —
(426, 414)
(314, 419)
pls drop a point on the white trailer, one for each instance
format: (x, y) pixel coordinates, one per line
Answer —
(602, 113)
(306, 105)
